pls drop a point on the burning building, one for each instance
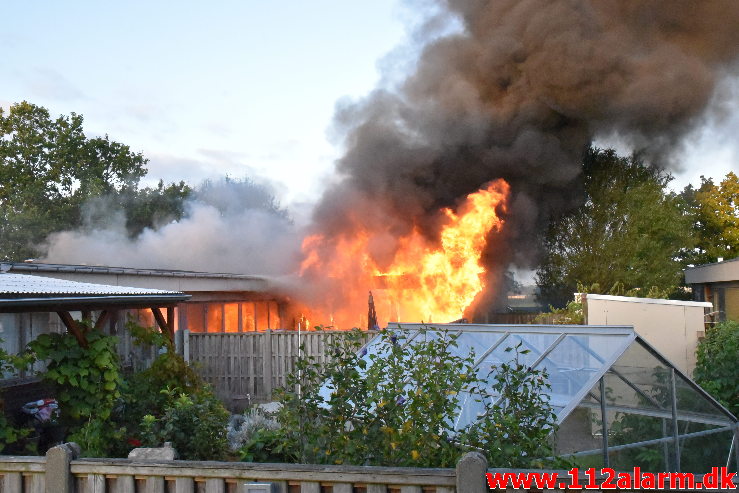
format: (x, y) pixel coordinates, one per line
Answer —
(217, 302)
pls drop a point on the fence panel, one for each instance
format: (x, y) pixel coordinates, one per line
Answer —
(246, 367)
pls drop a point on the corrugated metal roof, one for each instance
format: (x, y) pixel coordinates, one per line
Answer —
(21, 284)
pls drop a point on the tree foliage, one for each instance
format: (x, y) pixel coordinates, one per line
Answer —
(715, 212)
(49, 169)
(630, 232)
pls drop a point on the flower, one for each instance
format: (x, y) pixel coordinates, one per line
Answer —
(134, 442)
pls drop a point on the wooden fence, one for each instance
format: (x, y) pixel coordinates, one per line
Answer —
(246, 367)
(60, 471)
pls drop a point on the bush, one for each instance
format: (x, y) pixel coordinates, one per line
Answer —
(195, 424)
(396, 407)
(88, 379)
(717, 367)
(11, 436)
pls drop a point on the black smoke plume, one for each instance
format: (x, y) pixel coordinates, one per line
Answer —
(518, 92)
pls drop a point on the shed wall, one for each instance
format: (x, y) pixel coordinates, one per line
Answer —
(672, 328)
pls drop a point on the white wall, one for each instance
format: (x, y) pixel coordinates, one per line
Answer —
(672, 327)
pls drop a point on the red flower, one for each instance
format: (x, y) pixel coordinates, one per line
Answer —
(135, 442)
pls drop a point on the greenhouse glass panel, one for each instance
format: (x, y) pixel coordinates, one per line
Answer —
(693, 406)
(646, 373)
(472, 407)
(623, 394)
(575, 363)
(627, 430)
(535, 343)
(700, 447)
(581, 435)
(478, 342)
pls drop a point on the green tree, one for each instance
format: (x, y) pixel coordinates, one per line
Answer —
(49, 169)
(715, 212)
(630, 232)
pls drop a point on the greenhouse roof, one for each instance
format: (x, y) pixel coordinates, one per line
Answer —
(596, 371)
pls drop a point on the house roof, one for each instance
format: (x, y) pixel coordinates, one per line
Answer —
(724, 271)
(167, 279)
(131, 271)
(24, 292)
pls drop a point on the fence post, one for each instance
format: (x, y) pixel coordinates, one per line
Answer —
(186, 345)
(58, 473)
(471, 470)
(267, 362)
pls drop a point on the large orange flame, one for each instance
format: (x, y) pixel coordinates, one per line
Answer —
(424, 282)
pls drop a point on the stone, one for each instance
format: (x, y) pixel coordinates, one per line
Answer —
(154, 453)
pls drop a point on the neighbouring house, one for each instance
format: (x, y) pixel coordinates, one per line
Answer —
(673, 327)
(718, 283)
(217, 302)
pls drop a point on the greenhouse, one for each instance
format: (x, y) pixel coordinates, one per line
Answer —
(618, 402)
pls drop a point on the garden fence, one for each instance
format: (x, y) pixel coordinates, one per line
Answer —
(246, 367)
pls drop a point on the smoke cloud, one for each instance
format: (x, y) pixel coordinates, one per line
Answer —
(229, 226)
(518, 92)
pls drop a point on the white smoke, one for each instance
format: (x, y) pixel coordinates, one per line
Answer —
(228, 227)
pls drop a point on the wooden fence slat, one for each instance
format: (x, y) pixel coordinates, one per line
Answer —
(95, 483)
(215, 485)
(124, 484)
(376, 488)
(12, 481)
(184, 485)
(36, 483)
(154, 484)
(310, 487)
(348, 488)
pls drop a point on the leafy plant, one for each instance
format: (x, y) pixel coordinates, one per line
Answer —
(195, 424)
(516, 429)
(9, 433)
(142, 392)
(88, 379)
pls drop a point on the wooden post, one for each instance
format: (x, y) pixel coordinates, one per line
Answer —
(73, 328)
(59, 477)
(186, 345)
(102, 318)
(170, 320)
(163, 326)
(471, 470)
(267, 362)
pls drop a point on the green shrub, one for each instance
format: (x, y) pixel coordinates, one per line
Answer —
(11, 435)
(195, 424)
(88, 379)
(717, 367)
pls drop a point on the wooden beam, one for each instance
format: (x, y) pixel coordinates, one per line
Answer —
(102, 319)
(162, 323)
(71, 325)
(170, 321)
